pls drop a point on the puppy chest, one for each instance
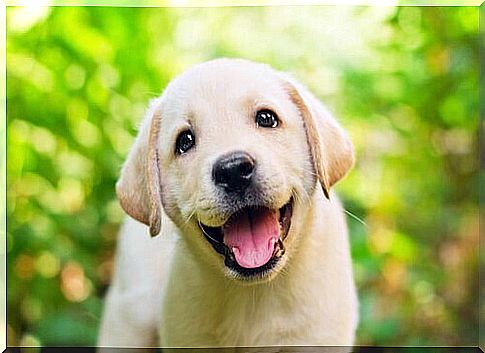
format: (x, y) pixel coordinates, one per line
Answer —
(231, 318)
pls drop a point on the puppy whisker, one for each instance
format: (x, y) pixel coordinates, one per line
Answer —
(192, 213)
(194, 208)
(205, 233)
(306, 195)
(352, 215)
(301, 195)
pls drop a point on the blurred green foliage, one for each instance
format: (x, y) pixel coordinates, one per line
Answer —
(403, 81)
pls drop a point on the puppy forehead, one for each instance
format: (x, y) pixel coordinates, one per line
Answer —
(223, 86)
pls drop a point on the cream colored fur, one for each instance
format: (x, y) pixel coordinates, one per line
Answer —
(173, 290)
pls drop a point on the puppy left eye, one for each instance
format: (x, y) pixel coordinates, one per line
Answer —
(267, 118)
(185, 141)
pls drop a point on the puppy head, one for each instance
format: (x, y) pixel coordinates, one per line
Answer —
(232, 151)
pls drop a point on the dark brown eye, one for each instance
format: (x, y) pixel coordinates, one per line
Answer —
(185, 141)
(267, 118)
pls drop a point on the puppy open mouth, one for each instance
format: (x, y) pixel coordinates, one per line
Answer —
(252, 239)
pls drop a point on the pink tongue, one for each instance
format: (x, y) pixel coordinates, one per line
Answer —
(252, 236)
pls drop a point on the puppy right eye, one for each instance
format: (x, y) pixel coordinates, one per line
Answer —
(185, 141)
(267, 118)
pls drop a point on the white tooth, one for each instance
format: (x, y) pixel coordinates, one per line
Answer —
(272, 242)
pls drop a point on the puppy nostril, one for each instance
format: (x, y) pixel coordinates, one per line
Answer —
(234, 171)
(245, 169)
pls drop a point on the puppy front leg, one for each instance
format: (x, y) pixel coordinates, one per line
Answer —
(126, 322)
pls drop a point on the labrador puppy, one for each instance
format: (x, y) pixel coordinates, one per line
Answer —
(231, 172)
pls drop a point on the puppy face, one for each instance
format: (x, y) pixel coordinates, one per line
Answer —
(232, 151)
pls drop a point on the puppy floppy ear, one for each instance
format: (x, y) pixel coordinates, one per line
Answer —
(330, 147)
(138, 187)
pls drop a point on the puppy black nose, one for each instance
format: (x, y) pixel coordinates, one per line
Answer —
(234, 171)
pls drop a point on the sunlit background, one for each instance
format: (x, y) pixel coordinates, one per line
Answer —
(403, 82)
